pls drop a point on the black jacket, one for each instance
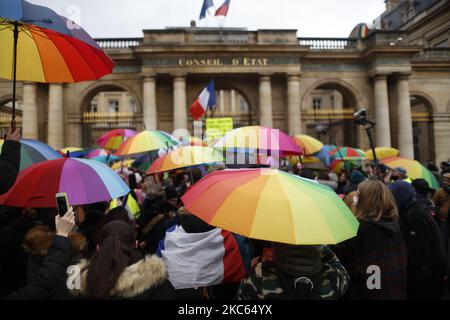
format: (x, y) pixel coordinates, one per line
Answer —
(376, 244)
(50, 274)
(144, 280)
(427, 258)
(9, 165)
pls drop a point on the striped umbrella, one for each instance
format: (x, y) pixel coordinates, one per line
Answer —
(414, 168)
(34, 151)
(186, 157)
(259, 139)
(309, 144)
(97, 153)
(84, 181)
(382, 153)
(146, 141)
(125, 164)
(114, 138)
(271, 205)
(40, 45)
(348, 153)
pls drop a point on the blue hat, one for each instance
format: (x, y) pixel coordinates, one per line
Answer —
(401, 170)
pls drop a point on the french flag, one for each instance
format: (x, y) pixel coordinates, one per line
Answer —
(196, 260)
(206, 99)
(223, 10)
(207, 4)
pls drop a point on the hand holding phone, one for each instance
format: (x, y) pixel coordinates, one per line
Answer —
(62, 203)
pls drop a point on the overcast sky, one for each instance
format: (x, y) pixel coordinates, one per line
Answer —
(127, 18)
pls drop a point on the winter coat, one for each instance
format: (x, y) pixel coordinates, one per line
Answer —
(144, 280)
(265, 281)
(9, 164)
(427, 257)
(51, 273)
(377, 244)
(441, 199)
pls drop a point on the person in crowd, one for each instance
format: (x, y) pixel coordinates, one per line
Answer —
(400, 173)
(9, 161)
(356, 178)
(427, 258)
(445, 167)
(54, 266)
(441, 200)
(116, 271)
(369, 171)
(324, 178)
(296, 273)
(203, 262)
(379, 243)
(343, 182)
(423, 195)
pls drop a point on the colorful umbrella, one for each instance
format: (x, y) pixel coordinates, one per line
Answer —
(259, 139)
(186, 157)
(271, 205)
(34, 151)
(106, 159)
(97, 153)
(347, 153)
(40, 45)
(84, 181)
(382, 153)
(415, 170)
(145, 161)
(114, 138)
(64, 151)
(323, 154)
(309, 144)
(146, 141)
(194, 141)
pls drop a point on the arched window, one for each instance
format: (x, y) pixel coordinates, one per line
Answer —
(423, 133)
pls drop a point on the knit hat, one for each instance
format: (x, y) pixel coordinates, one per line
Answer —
(357, 177)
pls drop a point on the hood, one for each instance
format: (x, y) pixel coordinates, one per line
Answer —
(356, 178)
(39, 239)
(146, 274)
(388, 226)
(193, 224)
(404, 196)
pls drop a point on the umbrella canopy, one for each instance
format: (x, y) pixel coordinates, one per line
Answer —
(97, 153)
(309, 144)
(34, 151)
(186, 157)
(323, 154)
(79, 154)
(125, 163)
(146, 141)
(106, 159)
(348, 153)
(258, 139)
(84, 181)
(414, 168)
(50, 47)
(382, 153)
(114, 138)
(194, 141)
(271, 205)
(64, 151)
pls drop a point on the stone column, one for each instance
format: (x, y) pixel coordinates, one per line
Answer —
(441, 128)
(265, 101)
(405, 132)
(294, 108)
(149, 104)
(233, 102)
(29, 107)
(55, 135)
(383, 126)
(179, 103)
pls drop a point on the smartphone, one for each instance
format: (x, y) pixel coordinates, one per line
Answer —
(62, 203)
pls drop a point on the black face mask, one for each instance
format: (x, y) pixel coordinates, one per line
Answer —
(395, 178)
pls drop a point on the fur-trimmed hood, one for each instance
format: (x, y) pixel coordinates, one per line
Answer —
(39, 239)
(146, 274)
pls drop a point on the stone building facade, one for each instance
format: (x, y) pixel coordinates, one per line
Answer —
(400, 74)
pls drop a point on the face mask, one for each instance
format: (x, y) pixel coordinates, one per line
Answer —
(355, 200)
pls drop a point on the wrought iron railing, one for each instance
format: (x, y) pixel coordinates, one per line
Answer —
(329, 43)
(119, 43)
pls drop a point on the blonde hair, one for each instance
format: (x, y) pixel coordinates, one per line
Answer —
(375, 201)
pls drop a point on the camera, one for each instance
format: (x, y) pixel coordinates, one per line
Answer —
(361, 118)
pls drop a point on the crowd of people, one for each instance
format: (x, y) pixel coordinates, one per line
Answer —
(163, 252)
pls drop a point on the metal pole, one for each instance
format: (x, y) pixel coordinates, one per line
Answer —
(16, 38)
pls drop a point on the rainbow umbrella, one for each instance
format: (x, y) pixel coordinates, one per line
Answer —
(194, 141)
(259, 139)
(84, 181)
(323, 154)
(71, 150)
(271, 205)
(347, 154)
(114, 138)
(186, 157)
(309, 144)
(34, 151)
(97, 153)
(382, 153)
(414, 168)
(106, 159)
(146, 141)
(40, 45)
